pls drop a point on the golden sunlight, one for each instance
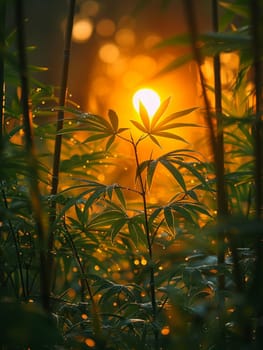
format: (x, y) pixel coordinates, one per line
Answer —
(149, 98)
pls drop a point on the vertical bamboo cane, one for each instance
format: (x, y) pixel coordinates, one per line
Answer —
(2, 46)
(37, 206)
(256, 9)
(58, 139)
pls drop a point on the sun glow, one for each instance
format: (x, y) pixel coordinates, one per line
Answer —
(149, 98)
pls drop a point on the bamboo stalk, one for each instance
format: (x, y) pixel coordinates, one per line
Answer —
(256, 20)
(149, 245)
(58, 139)
(60, 122)
(217, 145)
(37, 207)
(256, 9)
(62, 98)
(2, 78)
(222, 209)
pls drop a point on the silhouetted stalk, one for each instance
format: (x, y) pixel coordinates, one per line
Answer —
(36, 202)
(222, 202)
(60, 122)
(219, 156)
(149, 244)
(2, 78)
(217, 143)
(256, 10)
(256, 25)
(192, 26)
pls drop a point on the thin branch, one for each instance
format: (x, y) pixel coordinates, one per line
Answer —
(149, 244)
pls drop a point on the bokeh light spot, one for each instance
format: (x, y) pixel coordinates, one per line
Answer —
(105, 27)
(125, 37)
(165, 330)
(82, 30)
(109, 53)
(90, 342)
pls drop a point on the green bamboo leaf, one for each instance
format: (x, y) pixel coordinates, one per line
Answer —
(71, 202)
(105, 219)
(169, 218)
(80, 213)
(180, 209)
(160, 111)
(154, 140)
(238, 9)
(175, 115)
(154, 215)
(183, 39)
(99, 121)
(136, 232)
(120, 196)
(177, 125)
(144, 116)
(120, 130)
(109, 191)
(96, 137)
(139, 126)
(110, 142)
(196, 207)
(169, 135)
(116, 227)
(175, 172)
(150, 171)
(114, 119)
(191, 168)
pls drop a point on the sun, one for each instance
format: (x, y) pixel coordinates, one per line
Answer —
(149, 98)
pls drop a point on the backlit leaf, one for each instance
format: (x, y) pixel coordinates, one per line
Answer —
(154, 139)
(150, 171)
(160, 111)
(175, 115)
(144, 116)
(175, 172)
(169, 135)
(120, 196)
(139, 126)
(114, 119)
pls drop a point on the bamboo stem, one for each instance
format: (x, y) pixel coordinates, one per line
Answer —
(216, 139)
(62, 98)
(149, 246)
(36, 202)
(257, 50)
(2, 77)
(60, 122)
